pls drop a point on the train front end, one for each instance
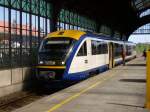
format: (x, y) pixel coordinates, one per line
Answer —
(54, 54)
(52, 57)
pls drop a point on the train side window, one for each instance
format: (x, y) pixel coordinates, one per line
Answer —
(134, 47)
(94, 47)
(83, 50)
(129, 50)
(117, 50)
(99, 48)
(104, 48)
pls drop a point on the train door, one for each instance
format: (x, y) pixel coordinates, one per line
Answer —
(111, 56)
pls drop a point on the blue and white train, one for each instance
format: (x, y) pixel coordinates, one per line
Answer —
(73, 55)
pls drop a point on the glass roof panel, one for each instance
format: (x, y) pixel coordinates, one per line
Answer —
(140, 4)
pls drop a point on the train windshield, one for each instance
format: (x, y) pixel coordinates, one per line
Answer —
(56, 48)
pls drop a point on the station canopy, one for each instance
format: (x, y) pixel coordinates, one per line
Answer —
(141, 5)
(120, 15)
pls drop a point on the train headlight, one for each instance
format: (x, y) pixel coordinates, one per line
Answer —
(62, 62)
(41, 62)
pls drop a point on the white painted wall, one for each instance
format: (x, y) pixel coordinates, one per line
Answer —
(13, 80)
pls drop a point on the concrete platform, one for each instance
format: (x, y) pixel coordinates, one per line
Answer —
(121, 89)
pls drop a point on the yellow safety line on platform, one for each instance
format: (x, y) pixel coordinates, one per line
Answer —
(148, 81)
(79, 94)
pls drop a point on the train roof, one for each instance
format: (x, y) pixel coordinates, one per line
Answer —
(129, 43)
(75, 34)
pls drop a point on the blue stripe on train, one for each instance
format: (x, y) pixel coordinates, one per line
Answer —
(85, 74)
(69, 60)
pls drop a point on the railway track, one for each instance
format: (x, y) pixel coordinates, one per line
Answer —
(17, 102)
(20, 99)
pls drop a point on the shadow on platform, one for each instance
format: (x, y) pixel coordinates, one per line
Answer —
(134, 80)
(126, 105)
(135, 64)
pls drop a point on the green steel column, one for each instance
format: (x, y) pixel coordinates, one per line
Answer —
(21, 39)
(30, 31)
(55, 15)
(9, 33)
(98, 27)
